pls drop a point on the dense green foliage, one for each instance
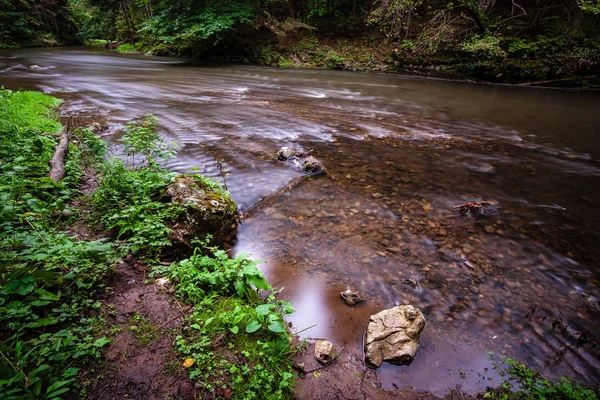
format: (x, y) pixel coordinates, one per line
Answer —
(523, 383)
(476, 38)
(35, 23)
(486, 39)
(236, 339)
(47, 278)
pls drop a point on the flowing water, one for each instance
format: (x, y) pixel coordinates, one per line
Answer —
(520, 278)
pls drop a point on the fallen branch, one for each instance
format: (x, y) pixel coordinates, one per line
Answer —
(473, 206)
(58, 171)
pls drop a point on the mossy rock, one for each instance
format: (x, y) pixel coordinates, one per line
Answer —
(207, 210)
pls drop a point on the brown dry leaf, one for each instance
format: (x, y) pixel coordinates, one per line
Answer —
(188, 362)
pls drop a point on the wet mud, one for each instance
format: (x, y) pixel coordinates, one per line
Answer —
(140, 362)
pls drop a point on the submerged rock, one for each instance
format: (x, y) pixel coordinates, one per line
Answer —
(309, 164)
(393, 335)
(324, 351)
(351, 297)
(207, 210)
(312, 165)
(285, 153)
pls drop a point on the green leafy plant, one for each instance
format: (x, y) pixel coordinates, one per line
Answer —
(128, 199)
(523, 383)
(236, 339)
(486, 46)
(127, 202)
(47, 278)
(219, 274)
(129, 47)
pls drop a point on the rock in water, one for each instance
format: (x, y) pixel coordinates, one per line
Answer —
(324, 351)
(312, 165)
(208, 210)
(285, 153)
(351, 297)
(393, 335)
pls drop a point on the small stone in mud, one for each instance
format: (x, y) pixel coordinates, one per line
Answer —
(351, 297)
(406, 252)
(324, 351)
(312, 165)
(162, 282)
(490, 229)
(285, 153)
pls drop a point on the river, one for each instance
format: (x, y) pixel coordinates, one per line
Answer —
(520, 278)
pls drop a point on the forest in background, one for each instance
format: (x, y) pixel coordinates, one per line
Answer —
(494, 40)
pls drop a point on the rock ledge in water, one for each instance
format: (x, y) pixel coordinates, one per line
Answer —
(393, 335)
(208, 210)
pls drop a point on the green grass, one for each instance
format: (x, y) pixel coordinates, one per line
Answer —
(143, 329)
(28, 111)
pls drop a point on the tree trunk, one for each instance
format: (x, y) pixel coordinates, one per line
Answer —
(475, 12)
(126, 15)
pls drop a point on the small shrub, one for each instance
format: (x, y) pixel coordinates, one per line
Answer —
(128, 203)
(141, 139)
(129, 47)
(487, 47)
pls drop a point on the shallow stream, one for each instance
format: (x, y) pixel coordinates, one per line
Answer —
(521, 278)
